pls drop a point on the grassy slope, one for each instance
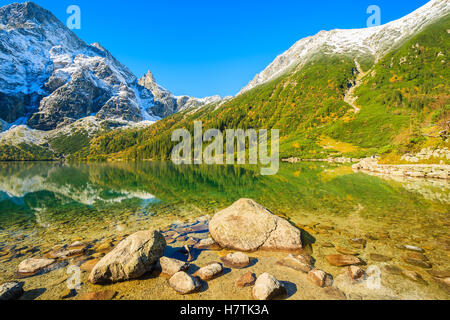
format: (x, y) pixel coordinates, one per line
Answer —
(404, 98)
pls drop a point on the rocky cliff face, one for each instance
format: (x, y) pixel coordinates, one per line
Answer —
(51, 78)
(166, 103)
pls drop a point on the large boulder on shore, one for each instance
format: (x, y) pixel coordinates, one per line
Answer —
(132, 258)
(247, 226)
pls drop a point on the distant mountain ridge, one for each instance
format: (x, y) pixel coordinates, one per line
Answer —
(166, 103)
(49, 78)
(353, 93)
(370, 43)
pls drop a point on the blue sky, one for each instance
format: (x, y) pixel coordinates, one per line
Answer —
(202, 48)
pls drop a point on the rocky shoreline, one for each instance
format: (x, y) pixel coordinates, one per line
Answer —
(430, 171)
(205, 259)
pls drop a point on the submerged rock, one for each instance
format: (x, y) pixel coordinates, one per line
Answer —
(359, 242)
(391, 269)
(78, 245)
(418, 263)
(132, 258)
(100, 295)
(444, 282)
(207, 244)
(64, 254)
(411, 248)
(346, 252)
(417, 256)
(303, 263)
(247, 280)
(34, 266)
(439, 274)
(210, 271)
(183, 283)
(320, 278)
(89, 265)
(328, 245)
(171, 266)
(236, 260)
(11, 291)
(247, 226)
(356, 273)
(343, 260)
(267, 287)
(379, 257)
(412, 275)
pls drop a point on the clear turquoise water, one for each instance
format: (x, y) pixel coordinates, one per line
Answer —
(43, 205)
(39, 195)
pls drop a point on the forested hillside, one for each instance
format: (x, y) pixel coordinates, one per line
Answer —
(402, 99)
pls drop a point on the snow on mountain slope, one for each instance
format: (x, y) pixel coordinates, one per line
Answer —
(374, 42)
(50, 76)
(169, 103)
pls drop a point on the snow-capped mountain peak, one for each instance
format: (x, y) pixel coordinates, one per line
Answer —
(374, 41)
(51, 77)
(164, 99)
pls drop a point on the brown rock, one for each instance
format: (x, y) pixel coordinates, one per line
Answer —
(379, 257)
(303, 263)
(378, 236)
(347, 252)
(100, 295)
(320, 278)
(356, 273)
(390, 269)
(327, 245)
(236, 260)
(343, 260)
(210, 271)
(98, 255)
(105, 247)
(412, 275)
(247, 280)
(359, 241)
(444, 282)
(439, 274)
(89, 265)
(417, 256)
(79, 261)
(418, 263)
